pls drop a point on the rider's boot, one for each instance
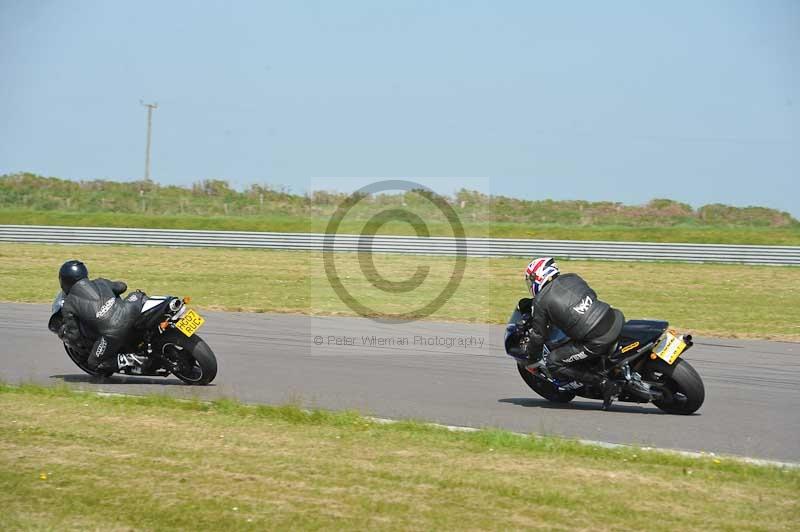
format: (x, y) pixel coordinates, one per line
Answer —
(570, 386)
(128, 360)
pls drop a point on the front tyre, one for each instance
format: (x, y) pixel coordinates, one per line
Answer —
(684, 388)
(80, 360)
(544, 388)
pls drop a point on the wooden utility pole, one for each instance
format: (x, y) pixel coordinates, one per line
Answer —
(150, 107)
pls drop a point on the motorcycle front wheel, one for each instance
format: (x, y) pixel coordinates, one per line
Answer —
(544, 388)
(80, 360)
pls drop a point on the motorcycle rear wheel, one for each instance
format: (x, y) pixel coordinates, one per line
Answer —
(686, 392)
(544, 388)
(199, 363)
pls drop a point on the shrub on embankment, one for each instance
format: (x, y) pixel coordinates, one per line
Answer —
(30, 192)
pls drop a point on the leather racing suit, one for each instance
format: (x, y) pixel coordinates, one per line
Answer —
(94, 310)
(570, 304)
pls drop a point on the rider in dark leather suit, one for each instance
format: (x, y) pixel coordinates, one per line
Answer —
(95, 310)
(569, 303)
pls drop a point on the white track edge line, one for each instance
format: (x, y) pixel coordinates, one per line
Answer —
(589, 443)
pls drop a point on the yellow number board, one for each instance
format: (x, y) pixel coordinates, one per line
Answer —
(189, 324)
(672, 348)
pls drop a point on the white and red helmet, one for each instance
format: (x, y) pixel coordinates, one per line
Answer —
(540, 272)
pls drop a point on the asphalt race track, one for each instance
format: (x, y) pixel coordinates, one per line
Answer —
(449, 373)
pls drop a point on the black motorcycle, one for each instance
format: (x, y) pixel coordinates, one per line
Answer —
(647, 350)
(162, 342)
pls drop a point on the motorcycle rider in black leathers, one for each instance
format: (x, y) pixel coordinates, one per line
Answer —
(593, 326)
(94, 310)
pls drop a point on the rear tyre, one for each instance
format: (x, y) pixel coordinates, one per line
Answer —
(685, 390)
(80, 360)
(544, 388)
(197, 364)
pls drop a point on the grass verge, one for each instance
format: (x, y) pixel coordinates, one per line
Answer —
(70, 460)
(785, 236)
(715, 300)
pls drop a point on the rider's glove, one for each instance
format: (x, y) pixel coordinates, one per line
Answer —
(533, 350)
(66, 334)
(523, 325)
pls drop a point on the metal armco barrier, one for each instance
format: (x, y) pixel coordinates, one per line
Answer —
(475, 247)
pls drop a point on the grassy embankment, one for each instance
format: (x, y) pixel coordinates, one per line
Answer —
(78, 461)
(716, 300)
(782, 236)
(213, 204)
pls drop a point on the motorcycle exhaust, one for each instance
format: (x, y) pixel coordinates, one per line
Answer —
(178, 309)
(175, 305)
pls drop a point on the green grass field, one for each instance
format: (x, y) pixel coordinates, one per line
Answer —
(716, 300)
(77, 461)
(785, 236)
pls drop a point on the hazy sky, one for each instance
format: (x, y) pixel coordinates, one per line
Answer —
(696, 101)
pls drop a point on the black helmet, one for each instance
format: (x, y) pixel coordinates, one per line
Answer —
(70, 273)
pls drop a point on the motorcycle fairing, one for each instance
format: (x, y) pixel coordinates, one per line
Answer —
(55, 312)
(555, 338)
(643, 331)
(152, 301)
